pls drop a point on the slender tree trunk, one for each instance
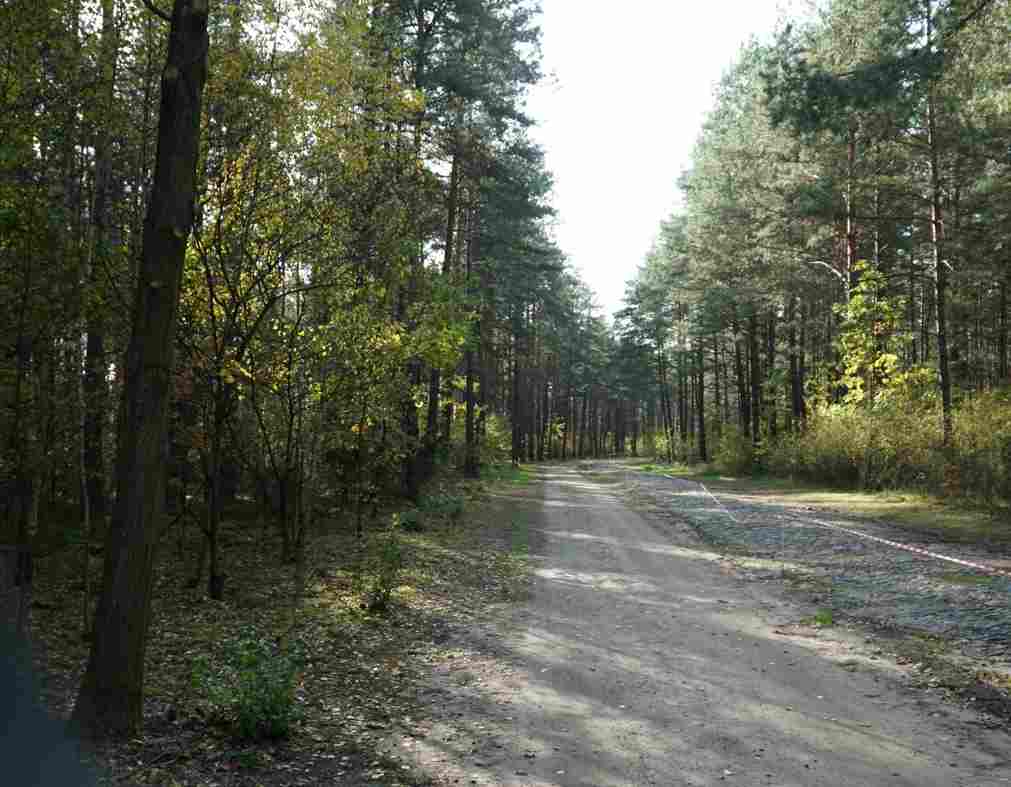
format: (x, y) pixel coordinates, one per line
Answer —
(743, 395)
(517, 414)
(802, 363)
(112, 692)
(215, 501)
(851, 231)
(470, 462)
(95, 387)
(940, 264)
(771, 376)
(717, 393)
(701, 407)
(635, 427)
(683, 402)
(1002, 333)
(582, 424)
(756, 380)
(796, 385)
(82, 469)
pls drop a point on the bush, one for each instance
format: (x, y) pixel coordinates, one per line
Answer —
(251, 685)
(980, 460)
(444, 504)
(411, 520)
(494, 446)
(897, 443)
(735, 455)
(383, 566)
(886, 446)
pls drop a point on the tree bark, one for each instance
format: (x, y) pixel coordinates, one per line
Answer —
(110, 701)
(1002, 335)
(796, 384)
(95, 387)
(701, 407)
(771, 376)
(756, 380)
(940, 265)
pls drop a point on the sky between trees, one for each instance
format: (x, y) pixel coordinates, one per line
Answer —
(619, 118)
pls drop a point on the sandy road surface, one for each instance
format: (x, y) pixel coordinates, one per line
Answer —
(639, 659)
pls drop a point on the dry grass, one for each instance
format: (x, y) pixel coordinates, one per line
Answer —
(928, 515)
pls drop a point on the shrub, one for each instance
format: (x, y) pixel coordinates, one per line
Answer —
(444, 504)
(885, 446)
(383, 566)
(735, 455)
(494, 445)
(251, 685)
(897, 443)
(411, 520)
(980, 460)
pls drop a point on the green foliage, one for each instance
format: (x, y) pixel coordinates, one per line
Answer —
(897, 444)
(411, 520)
(384, 566)
(823, 618)
(507, 473)
(980, 460)
(250, 684)
(735, 454)
(443, 504)
(892, 445)
(870, 342)
(495, 445)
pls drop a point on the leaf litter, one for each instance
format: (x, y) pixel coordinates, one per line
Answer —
(360, 681)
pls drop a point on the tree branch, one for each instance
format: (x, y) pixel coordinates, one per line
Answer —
(150, 6)
(828, 267)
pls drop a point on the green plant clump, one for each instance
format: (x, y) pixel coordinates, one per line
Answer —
(735, 455)
(823, 618)
(251, 686)
(384, 565)
(412, 520)
(444, 504)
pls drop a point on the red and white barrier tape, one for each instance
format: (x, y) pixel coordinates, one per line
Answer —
(895, 544)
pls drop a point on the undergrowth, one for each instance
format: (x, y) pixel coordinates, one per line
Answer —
(238, 683)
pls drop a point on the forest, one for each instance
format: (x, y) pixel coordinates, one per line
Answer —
(830, 302)
(297, 258)
(294, 253)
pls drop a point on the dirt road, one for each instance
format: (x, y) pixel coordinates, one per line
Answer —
(640, 659)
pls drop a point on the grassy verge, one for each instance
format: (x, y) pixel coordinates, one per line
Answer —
(955, 521)
(507, 474)
(918, 513)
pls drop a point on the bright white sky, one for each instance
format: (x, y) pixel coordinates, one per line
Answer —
(634, 82)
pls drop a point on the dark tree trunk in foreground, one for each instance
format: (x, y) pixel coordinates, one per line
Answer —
(112, 692)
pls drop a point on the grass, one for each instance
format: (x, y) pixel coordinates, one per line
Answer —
(507, 473)
(970, 580)
(823, 618)
(919, 513)
(949, 521)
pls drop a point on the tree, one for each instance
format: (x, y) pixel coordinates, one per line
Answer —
(111, 696)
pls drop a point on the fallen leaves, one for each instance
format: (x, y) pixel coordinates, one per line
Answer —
(359, 682)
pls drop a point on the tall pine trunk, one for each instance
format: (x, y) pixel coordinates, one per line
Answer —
(701, 404)
(112, 692)
(756, 380)
(940, 267)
